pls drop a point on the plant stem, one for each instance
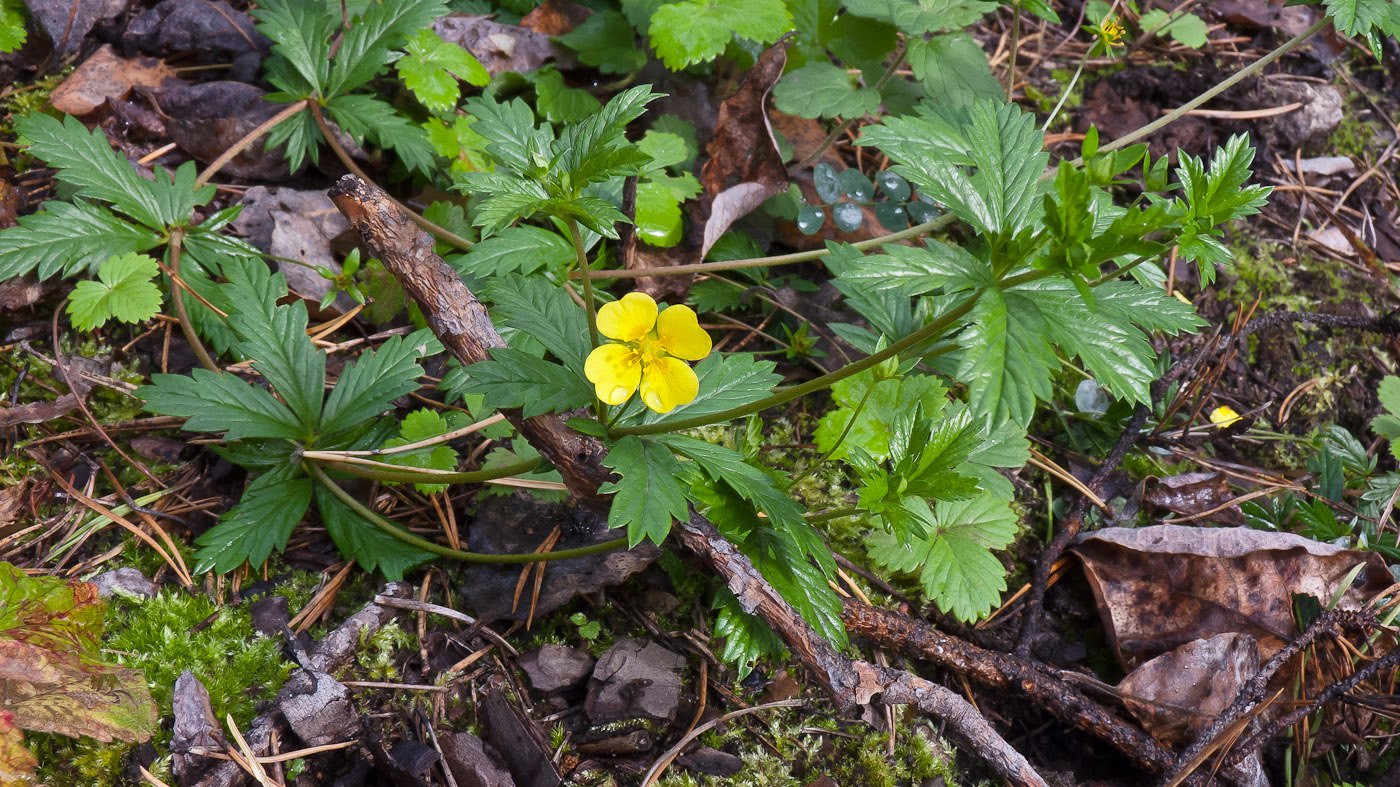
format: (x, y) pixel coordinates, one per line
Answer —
(827, 516)
(589, 305)
(248, 139)
(383, 471)
(1226, 84)
(441, 233)
(177, 296)
(780, 259)
(850, 422)
(456, 554)
(816, 384)
(1024, 278)
(1064, 95)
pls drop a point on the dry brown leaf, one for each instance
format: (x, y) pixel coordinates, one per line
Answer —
(104, 75)
(1180, 692)
(1190, 494)
(745, 167)
(1160, 587)
(500, 48)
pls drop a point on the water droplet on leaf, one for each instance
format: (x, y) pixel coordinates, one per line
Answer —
(810, 219)
(857, 186)
(894, 186)
(826, 182)
(847, 216)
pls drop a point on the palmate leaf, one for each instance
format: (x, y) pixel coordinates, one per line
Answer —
(517, 379)
(365, 48)
(823, 90)
(522, 249)
(363, 116)
(261, 522)
(68, 239)
(1008, 361)
(301, 33)
(782, 560)
(696, 31)
(912, 270)
(746, 637)
(86, 159)
(595, 149)
(649, 493)
(954, 561)
(124, 289)
(1369, 19)
(918, 17)
(370, 383)
(221, 402)
(275, 340)
(419, 425)
(875, 421)
(363, 542)
(509, 128)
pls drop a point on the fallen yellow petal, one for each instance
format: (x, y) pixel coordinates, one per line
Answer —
(1223, 416)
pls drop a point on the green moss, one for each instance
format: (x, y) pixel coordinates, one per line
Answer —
(378, 652)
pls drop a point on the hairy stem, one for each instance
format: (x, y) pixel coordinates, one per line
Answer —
(383, 471)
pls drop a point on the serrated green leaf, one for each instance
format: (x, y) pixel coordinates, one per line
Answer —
(1367, 19)
(823, 90)
(12, 32)
(912, 270)
(605, 41)
(301, 34)
(875, 420)
(364, 49)
(274, 339)
(697, 31)
(1184, 28)
(746, 637)
(953, 70)
(782, 560)
(560, 103)
(300, 137)
(363, 542)
(421, 425)
(220, 402)
(1389, 394)
(125, 289)
(1213, 197)
(369, 384)
(86, 160)
(261, 522)
(727, 380)
(595, 149)
(68, 239)
(514, 378)
(649, 493)
(1008, 363)
(431, 67)
(367, 117)
(510, 132)
(544, 312)
(918, 17)
(522, 249)
(955, 562)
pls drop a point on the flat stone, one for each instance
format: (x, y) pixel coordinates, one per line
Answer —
(519, 741)
(556, 668)
(270, 615)
(635, 679)
(128, 582)
(473, 763)
(711, 762)
(318, 708)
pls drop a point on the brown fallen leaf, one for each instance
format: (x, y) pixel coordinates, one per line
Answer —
(104, 75)
(555, 17)
(500, 48)
(745, 167)
(1180, 692)
(1191, 494)
(1162, 586)
(17, 763)
(207, 119)
(38, 412)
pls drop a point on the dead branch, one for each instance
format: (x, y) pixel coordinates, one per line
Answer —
(464, 327)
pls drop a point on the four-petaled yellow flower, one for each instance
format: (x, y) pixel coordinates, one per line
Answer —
(651, 351)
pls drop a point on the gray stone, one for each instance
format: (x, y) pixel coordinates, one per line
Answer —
(635, 679)
(519, 741)
(473, 763)
(1320, 114)
(127, 582)
(556, 668)
(195, 730)
(711, 762)
(318, 708)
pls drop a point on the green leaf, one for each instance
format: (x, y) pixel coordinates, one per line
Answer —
(1186, 29)
(658, 216)
(595, 149)
(876, 419)
(697, 31)
(509, 129)
(431, 67)
(782, 560)
(953, 70)
(364, 49)
(363, 542)
(726, 381)
(824, 90)
(68, 239)
(300, 136)
(420, 425)
(124, 289)
(912, 270)
(86, 160)
(301, 34)
(649, 493)
(12, 32)
(369, 384)
(274, 339)
(605, 41)
(955, 561)
(514, 378)
(543, 311)
(1389, 394)
(918, 17)
(1214, 197)
(262, 521)
(365, 116)
(1008, 361)
(746, 637)
(560, 103)
(220, 402)
(517, 249)
(1367, 19)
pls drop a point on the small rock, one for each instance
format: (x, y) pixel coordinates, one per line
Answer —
(1320, 114)
(473, 763)
(195, 729)
(711, 762)
(318, 708)
(659, 602)
(270, 615)
(556, 668)
(635, 679)
(128, 582)
(1334, 240)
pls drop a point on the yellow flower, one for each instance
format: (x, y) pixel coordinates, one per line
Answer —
(1110, 33)
(1224, 416)
(650, 353)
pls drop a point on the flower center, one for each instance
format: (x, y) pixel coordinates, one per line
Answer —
(649, 348)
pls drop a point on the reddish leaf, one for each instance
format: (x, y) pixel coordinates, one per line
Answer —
(17, 764)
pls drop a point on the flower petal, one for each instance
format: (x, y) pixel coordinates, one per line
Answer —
(615, 370)
(668, 383)
(679, 333)
(628, 319)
